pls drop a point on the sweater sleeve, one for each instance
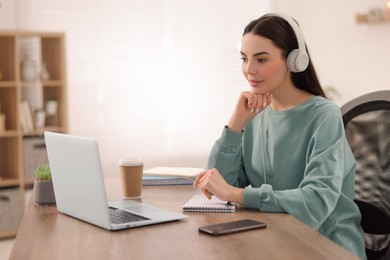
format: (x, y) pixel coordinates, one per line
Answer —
(317, 194)
(225, 155)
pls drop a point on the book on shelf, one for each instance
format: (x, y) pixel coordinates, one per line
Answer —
(22, 117)
(26, 116)
(199, 203)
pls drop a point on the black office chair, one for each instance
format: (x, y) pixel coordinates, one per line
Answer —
(367, 127)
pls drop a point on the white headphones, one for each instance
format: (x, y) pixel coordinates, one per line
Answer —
(297, 59)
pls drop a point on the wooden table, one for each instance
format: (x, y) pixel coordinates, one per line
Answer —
(47, 234)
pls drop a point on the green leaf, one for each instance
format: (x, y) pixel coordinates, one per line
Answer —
(43, 172)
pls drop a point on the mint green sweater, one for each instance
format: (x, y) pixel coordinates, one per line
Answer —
(296, 161)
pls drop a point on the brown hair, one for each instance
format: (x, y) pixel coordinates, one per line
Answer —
(282, 36)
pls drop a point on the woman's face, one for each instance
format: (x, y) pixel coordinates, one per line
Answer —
(263, 64)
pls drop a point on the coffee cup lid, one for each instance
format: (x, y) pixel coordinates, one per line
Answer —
(130, 162)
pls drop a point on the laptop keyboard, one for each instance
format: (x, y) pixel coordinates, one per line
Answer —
(119, 216)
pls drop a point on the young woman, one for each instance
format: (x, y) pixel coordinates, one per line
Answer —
(284, 147)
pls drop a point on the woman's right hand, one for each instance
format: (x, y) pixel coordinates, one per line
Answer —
(248, 106)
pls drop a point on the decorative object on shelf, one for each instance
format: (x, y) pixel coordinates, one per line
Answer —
(44, 73)
(26, 117)
(2, 121)
(375, 15)
(43, 185)
(52, 112)
(29, 69)
(40, 117)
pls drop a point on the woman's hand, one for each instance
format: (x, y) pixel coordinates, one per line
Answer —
(248, 106)
(212, 182)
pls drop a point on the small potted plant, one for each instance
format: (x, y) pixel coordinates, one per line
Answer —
(43, 185)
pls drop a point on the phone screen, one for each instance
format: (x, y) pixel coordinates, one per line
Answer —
(232, 227)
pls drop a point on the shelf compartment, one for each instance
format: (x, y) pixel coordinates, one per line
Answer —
(52, 50)
(8, 65)
(57, 94)
(9, 107)
(9, 158)
(10, 212)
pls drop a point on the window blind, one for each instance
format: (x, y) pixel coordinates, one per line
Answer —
(156, 79)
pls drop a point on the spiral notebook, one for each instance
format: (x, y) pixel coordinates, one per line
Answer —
(199, 203)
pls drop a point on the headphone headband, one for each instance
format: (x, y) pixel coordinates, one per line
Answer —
(297, 59)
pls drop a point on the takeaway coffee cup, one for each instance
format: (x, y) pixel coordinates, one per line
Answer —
(131, 171)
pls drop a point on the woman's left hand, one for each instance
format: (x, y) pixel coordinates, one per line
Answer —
(211, 181)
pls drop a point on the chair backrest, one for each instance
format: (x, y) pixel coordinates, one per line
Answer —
(367, 127)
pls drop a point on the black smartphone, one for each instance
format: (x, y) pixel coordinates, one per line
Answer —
(232, 227)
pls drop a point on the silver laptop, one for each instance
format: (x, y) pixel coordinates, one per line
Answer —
(79, 187)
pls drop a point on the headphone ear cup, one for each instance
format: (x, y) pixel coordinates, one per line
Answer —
(292, 56)
(297, 62)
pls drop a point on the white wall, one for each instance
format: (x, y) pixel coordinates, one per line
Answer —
(354, 58)
(7, 14)
(156, 79)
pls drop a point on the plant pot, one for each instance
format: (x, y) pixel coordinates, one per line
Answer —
(43, 192)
